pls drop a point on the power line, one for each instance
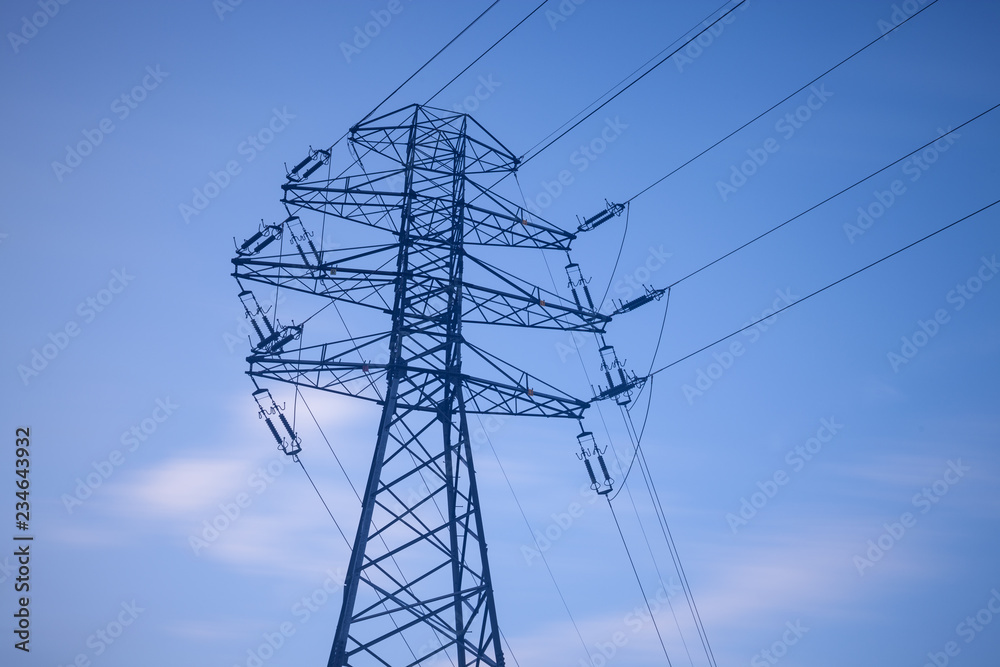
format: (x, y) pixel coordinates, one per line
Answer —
(629, 76)
(525, 160)
(323, 500)
(831, 197)
(823, 289)
(429, 61)
(541, 553)
(469, 66)
(639, 581)
(780, 102)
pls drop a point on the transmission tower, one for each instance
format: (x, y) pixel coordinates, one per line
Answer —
(418, 588)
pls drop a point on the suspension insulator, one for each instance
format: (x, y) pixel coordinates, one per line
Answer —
(296, 168)
(593, 478)
(267, 323)
(590, 301)
(250, 241)
(315, 252)
(274, 431)
(604, 469)
(310, 170)
(283, 342)
(256, 327)
(288, 427)
(576, 298)
(611, 383)
(263, 244)
(621, 374)
(305, 260)
(594, 221)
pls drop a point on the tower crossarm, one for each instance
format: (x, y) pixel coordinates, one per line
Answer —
(371, 204)
(372, 288)
(421, 388)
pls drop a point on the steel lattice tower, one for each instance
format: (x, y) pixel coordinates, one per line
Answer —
(418, 587)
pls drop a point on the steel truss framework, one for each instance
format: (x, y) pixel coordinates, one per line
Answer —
(418, 588)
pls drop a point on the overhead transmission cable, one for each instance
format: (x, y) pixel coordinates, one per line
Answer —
(541, 552)
(780, 102)
(635, 508)
(469, 66)
(831, 197)
(629, 76)
(428, 62)
(527, 158)
(823, 289)
(639, 581)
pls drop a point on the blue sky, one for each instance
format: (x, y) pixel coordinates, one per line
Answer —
(123, 299)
